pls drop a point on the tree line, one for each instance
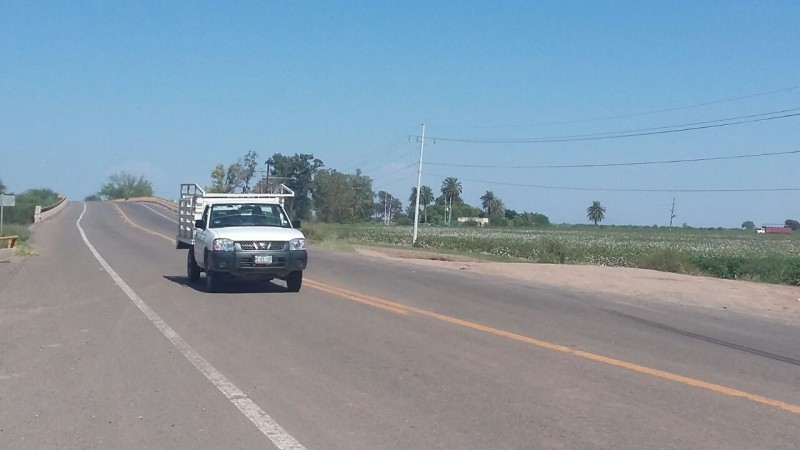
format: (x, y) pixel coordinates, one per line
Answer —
(328, 195)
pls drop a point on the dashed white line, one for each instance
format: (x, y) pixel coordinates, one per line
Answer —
(162, 215)
(266, 424)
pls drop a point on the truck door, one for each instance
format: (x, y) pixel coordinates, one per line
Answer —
(200, 239)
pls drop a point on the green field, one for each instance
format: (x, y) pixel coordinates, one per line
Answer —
(733, 254)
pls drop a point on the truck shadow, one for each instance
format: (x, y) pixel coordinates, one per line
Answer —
(231, 287)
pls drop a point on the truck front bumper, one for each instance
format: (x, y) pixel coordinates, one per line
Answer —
(244, 264)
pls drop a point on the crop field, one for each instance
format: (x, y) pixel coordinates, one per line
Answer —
(734, 254)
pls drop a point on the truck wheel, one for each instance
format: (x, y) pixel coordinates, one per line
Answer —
(212, 281)
(192, 269)
(294, 281)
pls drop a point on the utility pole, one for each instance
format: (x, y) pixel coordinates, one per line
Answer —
(269, 162)
(672, 213)
(419, 182)
(5, 200)
(386, 207)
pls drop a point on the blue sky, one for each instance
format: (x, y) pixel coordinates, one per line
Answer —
(170, 89)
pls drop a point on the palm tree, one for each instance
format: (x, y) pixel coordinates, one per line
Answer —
(425, 199)
(596, 213)
(491, 203)
(412, 199)
(451, 189)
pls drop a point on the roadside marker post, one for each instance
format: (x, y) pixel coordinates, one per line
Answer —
(5, 200)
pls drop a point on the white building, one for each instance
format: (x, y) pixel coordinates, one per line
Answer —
(481, 221)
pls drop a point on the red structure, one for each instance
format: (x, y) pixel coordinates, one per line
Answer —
(775, 229)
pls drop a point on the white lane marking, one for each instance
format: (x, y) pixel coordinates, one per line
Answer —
(266, 424)
(162, 215)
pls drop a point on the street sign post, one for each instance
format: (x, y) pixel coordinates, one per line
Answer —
(5, 200)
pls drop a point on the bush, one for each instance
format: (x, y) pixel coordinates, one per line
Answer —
(780, 270)
(554, 251)
(318, 231)
(791, 273)
(729, 267)
(22, 212)
(667, 260)
(23, 232)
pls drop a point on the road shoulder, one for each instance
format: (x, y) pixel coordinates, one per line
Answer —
(635, 286)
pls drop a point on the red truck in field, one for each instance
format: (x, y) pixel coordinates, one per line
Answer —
(774, 229)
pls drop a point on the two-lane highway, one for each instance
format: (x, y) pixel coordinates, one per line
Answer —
(104, 344)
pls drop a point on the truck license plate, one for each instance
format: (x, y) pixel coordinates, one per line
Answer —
(263, 259)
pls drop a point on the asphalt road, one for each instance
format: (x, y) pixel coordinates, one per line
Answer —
(371, 354)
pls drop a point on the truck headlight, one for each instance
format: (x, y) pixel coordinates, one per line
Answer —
(297, 244)
(223, 245)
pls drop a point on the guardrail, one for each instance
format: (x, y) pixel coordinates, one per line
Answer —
(61, 199)
(42, 213)
(157, 200)
(8, 241)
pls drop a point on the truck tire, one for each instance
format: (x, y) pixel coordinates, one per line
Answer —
(294, 281)
(212, 278)
(212, 281)
(192, 269)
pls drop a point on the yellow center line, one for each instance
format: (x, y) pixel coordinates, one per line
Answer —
(361, 298)
(146, 230)
(400, 308)
(568, 350)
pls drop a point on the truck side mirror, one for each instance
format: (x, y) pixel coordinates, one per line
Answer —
(296, 224)
(201, 224)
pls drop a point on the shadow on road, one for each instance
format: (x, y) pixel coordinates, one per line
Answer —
(231, 287)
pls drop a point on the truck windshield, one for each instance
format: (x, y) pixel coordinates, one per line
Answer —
(247, 215)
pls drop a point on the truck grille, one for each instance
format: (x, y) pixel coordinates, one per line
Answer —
(263, 245)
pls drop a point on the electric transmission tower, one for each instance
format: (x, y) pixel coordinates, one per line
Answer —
(672, 213)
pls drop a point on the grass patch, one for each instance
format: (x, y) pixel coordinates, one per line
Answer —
(732, 254)
(318, 231)
(23, 249)
(325, 235)
(22, 231)
(667, 260)
(776, 270)
(334, 244)
(554, 251)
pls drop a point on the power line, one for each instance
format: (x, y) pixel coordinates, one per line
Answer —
(571, 188)
(408, 153)
(376, 160)
(633, 133)
(636, 163)
(405, 182)
(623, 116)
(376, 156)
(394, 171)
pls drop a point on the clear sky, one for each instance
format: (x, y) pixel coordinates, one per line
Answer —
(170, 89)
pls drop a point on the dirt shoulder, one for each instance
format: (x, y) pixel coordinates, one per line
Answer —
(635, 286)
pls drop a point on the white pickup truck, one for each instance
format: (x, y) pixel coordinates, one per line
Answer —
(240, 236)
